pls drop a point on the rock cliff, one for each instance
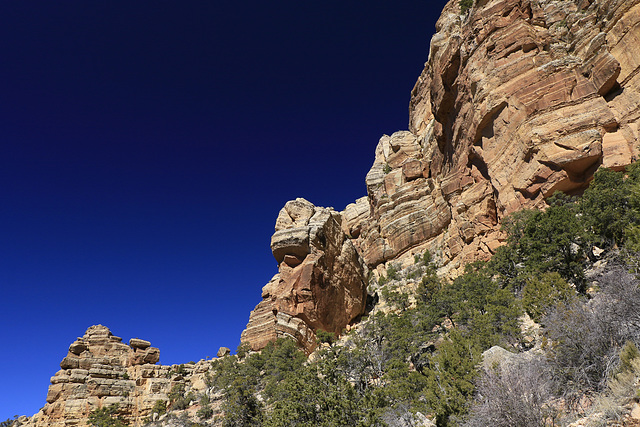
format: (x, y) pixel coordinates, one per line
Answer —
(100, 370)
(321, 282)
(518, 99)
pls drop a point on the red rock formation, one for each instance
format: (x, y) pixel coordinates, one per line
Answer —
(519, 99)
(321, 283)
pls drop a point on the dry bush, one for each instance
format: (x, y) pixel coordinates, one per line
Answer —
(586, 336)
(622, 389)
(584, 342)
(517, 393)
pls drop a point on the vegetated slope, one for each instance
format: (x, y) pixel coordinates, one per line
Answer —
(417, 356)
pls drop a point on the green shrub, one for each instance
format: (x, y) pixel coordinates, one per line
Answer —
(544, 291)
(243, 350)
(241, 408)
(176, 391)
(179, 400)
(465, 5)
(160, 407)
(294, 393)
(325, 337)
(450, 378)
(382, 280)
(628, 354)
(476, 301)
(545, 241)
(427, 258)
(632, 238)
(430, 284)
(611, 205)
(396, 298)
(392, 272)
(106, 417)
(306, 399)
(415, 274)
(205, 412)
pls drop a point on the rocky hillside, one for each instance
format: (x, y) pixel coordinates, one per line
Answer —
(518, 99)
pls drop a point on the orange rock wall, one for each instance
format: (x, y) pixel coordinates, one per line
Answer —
(321, 281)
(518, 99)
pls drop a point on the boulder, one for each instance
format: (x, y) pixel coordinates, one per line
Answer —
(223, 351)
(139, 344)
(321, 281)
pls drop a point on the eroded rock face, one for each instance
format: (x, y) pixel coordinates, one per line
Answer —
(97, 371)
(519, 99)
(100, 370)
(321, 281)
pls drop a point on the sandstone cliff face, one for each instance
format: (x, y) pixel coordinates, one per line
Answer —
(321, 281)
(100, 370)
(519, 99)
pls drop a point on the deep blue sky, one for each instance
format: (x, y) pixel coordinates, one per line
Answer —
(146, 148)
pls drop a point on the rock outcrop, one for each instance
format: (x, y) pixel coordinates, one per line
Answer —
(519, 99)
(100, 370)
(321, 282)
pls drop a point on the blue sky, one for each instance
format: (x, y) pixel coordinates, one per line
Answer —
(146, 148)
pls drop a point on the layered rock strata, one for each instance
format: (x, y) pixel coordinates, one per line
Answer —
(518, 99)
(321, 281)
(100, 370)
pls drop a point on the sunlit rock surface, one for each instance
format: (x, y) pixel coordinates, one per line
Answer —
(100, 370)
(518, 99)
(321, 281)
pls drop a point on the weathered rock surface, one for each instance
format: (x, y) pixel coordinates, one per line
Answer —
(519, 99)
(100, 370)
(321, 281)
